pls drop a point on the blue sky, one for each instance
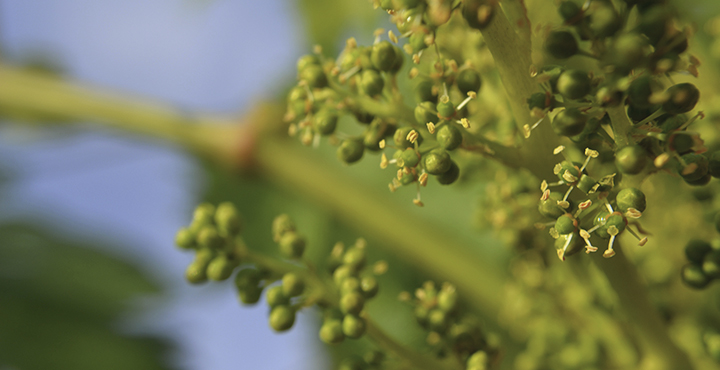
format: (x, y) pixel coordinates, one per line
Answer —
(218, 56)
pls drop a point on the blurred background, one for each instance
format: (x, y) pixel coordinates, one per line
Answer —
(89, 276)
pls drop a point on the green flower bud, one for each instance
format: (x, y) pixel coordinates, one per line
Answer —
(561, 44)
(353, 326)
(281, 225)
(569, 122)
(307, 60)
(341, 273)
(550, 208)
(630, 198)
(478, 13)
(276, 297)
(374, 133)
(247, 278)
(438, 320)
(351, 150)
(292, 245)
(374, 358)
(468, 80)
(424, 113)
(701, 167)
(631, 159)
(566, 224)
(447, 298)
(220, 268)
(576, 244)
(371, 83)
(325, 121)
(693, 276)
(449, 176)
(574, 84)
(292, 284)
(350, 284)
(355, 258)
(185, 239)
(250, 295)
(696, 250)
(641, 89)
(711, 265)
(314, 76)
(352, 303)
(627, 52)
(331, 332)
(282, 318)
(384, 56)
(196, 273)
(208, 237)
(409, 158)
(605, 21)
(449, 136)
(683, 98)
(227, 219)
(369, 287)
(437, 162)
(400, 138)
(445, 109)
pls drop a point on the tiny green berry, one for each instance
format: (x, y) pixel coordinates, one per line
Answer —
(550, 208)
(641, 89)
(220, 268)
(353, 326)
(325, 121)
(569, 10)
(561, 44)
(352, 303)
(196, 272)
(185, 239)
(307, 60)
(424, 91)
(437, 162)
(409, 158)
(343, 272)
(479, 359)
(292, 245)
(631, 198)
(208, 237)
(355, 258)
(696, 250)
(605, 21)
(282, 224)
(449, 136)
(447, 298)
(574, 84)
(450, 176)
(384, 56)
(331, 332)
(631, 159)
(247, 278)
(569, 122)
(314, 76)
(369, 287)
(351, 150)
(468, 80)
(282, 318)
(478, 13)
(700, 170)
(371, 83)
(250, 295)
(682, 98)
(227, 219)
(292, 284)
(445, 108)
(275, 296)
(566, 224)
(693, 276)
(711, 265)
(349, 285)
(204, 214)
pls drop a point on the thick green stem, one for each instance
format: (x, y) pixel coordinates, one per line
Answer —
(659, 351)
(621, 125)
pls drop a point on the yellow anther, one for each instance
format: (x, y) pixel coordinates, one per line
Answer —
(412, 136)
(430, 127)
(414, 72)
(591, 153)
(383, 161)
(608, 253)
(585, 204)
(418, 203)
(559, 149)
(543, 186)
(465, 123)
(546, 195)
(392, 37)
(423, 179)
(381, 144)
(564, 204)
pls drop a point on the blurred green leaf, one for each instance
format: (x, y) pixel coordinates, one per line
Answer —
(59, 303)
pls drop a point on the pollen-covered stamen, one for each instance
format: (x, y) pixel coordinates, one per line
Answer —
(381, 144)
(392, 37)
(567, 243)
(613, 231)
(414, 72)
(350, 72)
(430, 127)
(464, 122)
(378, 33)
(558, 150)
(423, 179)
(527, 129)
(557, 168)
(590, 154)
(641, 241)
(661, 160)
(690, 168)
(392, 187)
(554, 233)
(585, 205)
(543, 186)
(471, 95)
(586, 236)
(384, 161)
(292, 130)
(633, 213)
(418, 202)
(546, 195)
(569, 177)
(399, 173)
(563, 204)
(412, 136)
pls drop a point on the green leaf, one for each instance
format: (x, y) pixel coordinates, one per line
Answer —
(60, 304)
